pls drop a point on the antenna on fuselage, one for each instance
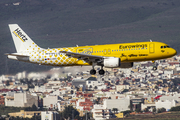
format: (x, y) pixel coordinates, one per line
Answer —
(150, 40)
(77, 46)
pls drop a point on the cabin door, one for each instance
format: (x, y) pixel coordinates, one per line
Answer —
(151, 48)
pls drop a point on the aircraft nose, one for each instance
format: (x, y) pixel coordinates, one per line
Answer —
(173, 52)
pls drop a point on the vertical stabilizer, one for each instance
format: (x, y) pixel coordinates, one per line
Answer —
(21, 40)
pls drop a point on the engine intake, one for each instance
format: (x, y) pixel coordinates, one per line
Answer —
(112, 62)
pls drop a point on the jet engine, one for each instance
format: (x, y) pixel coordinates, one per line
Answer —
(113, 62)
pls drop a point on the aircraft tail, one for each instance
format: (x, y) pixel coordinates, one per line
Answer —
(21, 40)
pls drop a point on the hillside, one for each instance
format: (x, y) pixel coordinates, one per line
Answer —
(62, 23)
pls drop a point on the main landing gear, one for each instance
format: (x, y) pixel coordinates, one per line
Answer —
(154, 66)
(93, 71)
(101, 71)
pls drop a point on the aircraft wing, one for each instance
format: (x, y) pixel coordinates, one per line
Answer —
(86, 57)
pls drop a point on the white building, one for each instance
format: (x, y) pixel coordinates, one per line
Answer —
(169, 73)
(148, 105)
(50, 115)
(167, 104)
(39, 89)
(21, 100)
(98, 112)
(121, 104)
(93, 83)
(21, 75)
(51, 101)
(170, 97)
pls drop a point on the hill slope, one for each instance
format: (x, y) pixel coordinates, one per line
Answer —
(54, 23)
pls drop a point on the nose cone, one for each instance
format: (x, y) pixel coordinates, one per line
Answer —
(173, 52)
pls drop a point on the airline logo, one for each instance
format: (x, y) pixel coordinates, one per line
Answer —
(19, 34)
(133, 46)
(85, 50)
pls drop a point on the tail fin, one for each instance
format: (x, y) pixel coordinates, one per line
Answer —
(21, 40)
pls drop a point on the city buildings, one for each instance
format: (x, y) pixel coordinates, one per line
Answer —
(139, 89)
(23, 99)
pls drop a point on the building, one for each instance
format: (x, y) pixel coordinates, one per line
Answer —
(92, 82)
(25, 114)
(171, 97)
(121, 104)
(86, 104)
(1, 100)
(51, 101)
(61, 105)
(148, 104)
(100, 112)
(167, 104)
(21, 100)
(50, 115)
(85, 95)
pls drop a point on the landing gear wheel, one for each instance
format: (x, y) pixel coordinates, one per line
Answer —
(154, 66)
(93, 72)
(101, 72)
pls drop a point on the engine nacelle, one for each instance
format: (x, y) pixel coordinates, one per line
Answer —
(113, 62)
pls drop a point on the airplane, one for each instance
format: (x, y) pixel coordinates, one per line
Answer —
(109, 55)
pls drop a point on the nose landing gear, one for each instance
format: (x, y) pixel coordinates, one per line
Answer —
(154, 65)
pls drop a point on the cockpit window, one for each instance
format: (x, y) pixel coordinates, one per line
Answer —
(165, 46)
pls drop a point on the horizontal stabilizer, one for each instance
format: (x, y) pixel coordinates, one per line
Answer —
(15, 54)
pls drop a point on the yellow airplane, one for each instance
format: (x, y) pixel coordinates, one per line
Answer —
(109, 55)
